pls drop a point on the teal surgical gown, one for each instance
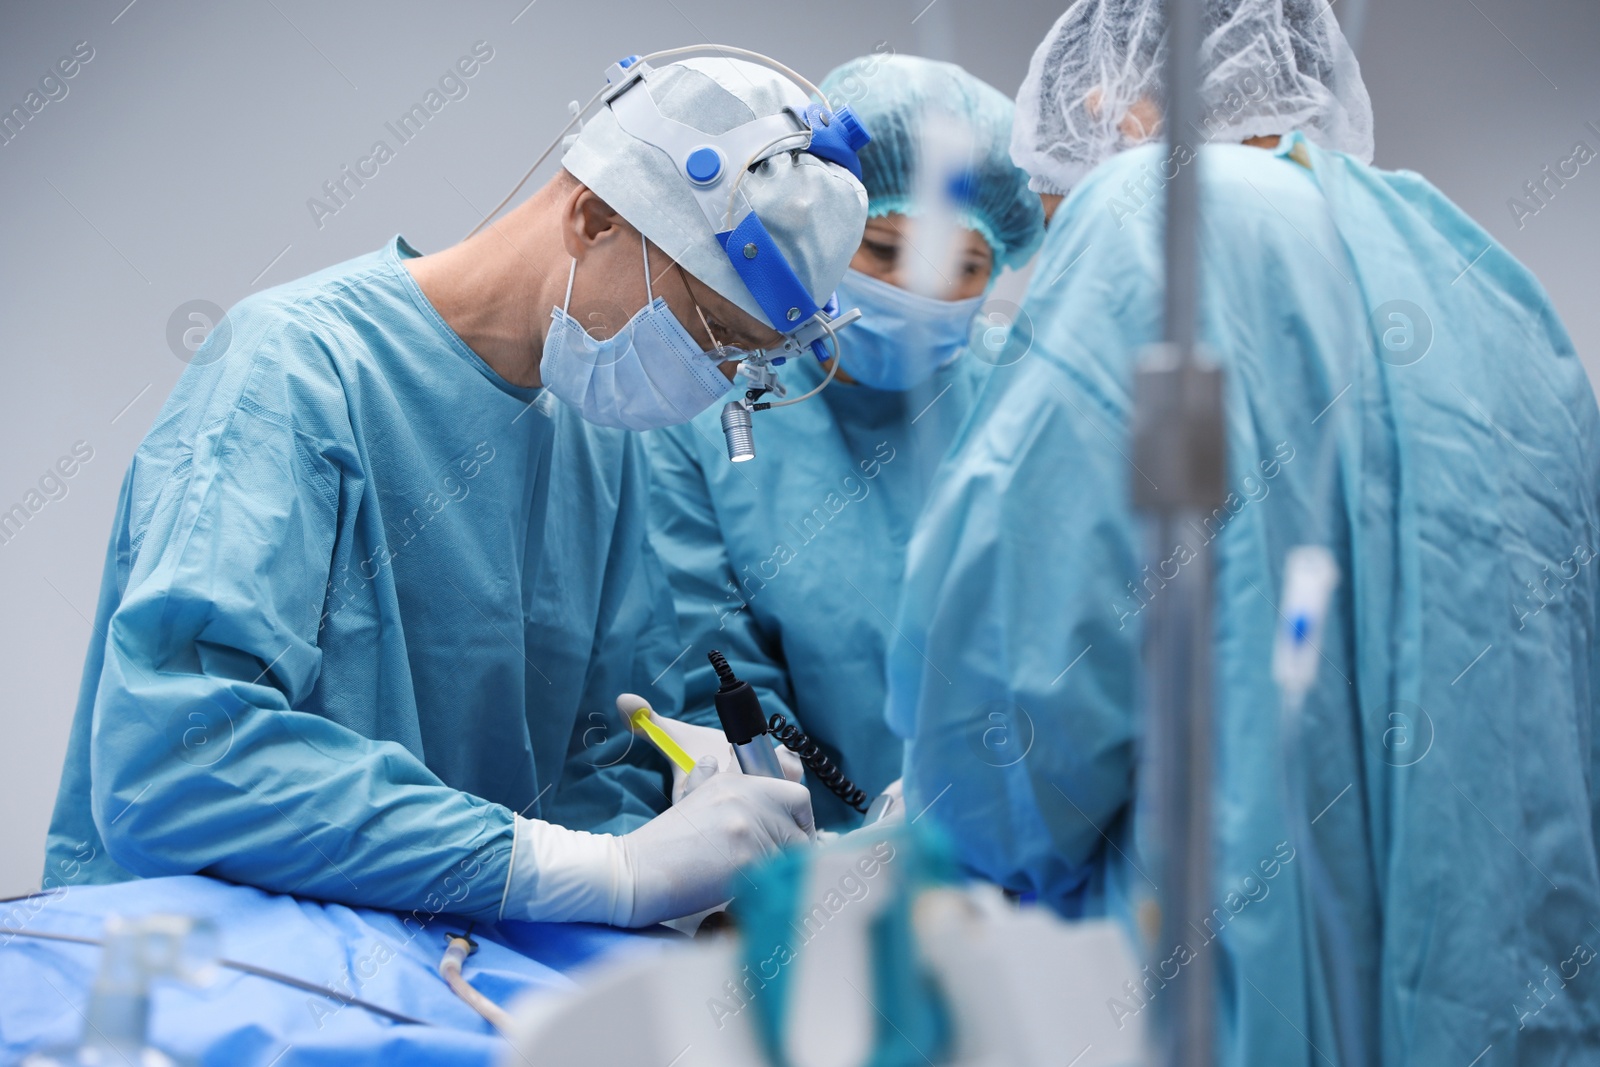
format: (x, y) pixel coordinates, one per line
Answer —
(363, 601)
(790, 563)
(1400, 391)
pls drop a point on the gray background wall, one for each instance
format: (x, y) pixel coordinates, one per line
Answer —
(179, 163)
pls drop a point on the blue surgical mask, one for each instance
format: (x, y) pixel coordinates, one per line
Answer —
(902, 338)
(649, 374)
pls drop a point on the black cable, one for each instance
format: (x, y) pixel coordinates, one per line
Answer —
(246, 968)
(817, 762)
(810, 753)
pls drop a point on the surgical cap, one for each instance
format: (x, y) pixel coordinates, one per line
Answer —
(896, 97)
(814, 210)
(1267, 67)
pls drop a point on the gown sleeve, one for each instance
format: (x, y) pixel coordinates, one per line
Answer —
(201, 761)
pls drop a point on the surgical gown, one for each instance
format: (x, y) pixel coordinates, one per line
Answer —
(363, 601)
(790, 563)
(1400, 391)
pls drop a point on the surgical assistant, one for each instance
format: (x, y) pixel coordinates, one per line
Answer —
(1400, 392)
(790, 564)
(379, 570)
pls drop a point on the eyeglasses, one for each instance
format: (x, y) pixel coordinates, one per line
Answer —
(724, 353)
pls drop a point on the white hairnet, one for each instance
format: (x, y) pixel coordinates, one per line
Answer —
(1095, 85)
(814, 210)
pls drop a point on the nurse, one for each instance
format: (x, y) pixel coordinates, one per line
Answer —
(1400, 393)
(790, 563)
(379, 570)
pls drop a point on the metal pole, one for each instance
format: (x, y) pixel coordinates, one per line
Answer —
(1183, 191)
(1180, 475)
(1177, 656)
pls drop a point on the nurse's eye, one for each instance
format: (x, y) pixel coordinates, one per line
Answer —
(885, 253)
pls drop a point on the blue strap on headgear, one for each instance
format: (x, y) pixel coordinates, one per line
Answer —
(760, 263)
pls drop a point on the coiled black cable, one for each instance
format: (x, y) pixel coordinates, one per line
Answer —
(817, 762)
(741, 714)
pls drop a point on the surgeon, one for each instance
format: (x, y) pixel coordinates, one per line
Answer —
(790, 563)
(379, 570)
(1400, 393)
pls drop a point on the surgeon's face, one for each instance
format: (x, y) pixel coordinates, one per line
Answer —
(716, 322)
(886, 253)
(609, 288)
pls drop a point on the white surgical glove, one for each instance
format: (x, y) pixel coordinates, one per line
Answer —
(683, 860)
(793, 769)
(676, 864)
(703, 742)
(891, 803)
(704, 745)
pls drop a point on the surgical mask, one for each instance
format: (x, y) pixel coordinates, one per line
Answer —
(649, 374)
(902, 338)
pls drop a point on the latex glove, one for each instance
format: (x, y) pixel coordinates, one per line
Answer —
(682, 861)
(678, 863)
(893, 800)
(704, 745)
(703, 742)
(792, 768)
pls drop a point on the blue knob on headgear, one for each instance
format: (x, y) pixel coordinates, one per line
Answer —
(855, 133)
(837, 136)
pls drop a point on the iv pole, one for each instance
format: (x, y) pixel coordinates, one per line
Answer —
(1180, 475)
